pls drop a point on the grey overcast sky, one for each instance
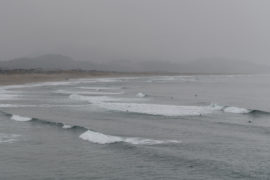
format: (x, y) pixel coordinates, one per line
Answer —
(105, 30)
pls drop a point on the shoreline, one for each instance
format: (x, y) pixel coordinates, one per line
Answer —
(14, 77)
(23, 77)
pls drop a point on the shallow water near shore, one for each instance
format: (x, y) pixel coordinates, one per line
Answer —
(158, 127)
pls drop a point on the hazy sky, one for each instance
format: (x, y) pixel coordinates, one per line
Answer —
(104, 30)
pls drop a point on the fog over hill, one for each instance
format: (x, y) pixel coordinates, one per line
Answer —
(60, 62)
(45, 62)
(126, 35)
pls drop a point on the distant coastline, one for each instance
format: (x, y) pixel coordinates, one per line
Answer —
(22, 76)
(56, 62)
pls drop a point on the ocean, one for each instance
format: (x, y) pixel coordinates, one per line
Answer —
(142, 128)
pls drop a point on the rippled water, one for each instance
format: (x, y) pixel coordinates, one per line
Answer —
(162, 127)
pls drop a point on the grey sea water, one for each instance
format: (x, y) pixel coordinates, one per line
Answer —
(160, 127)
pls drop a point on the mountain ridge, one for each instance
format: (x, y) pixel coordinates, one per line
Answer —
(61, 62)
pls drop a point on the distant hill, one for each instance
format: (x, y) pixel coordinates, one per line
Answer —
(60, 62)
(45, 62)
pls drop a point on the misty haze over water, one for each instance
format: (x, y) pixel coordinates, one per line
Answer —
(134, 89)
(156, 31)
(203, 66)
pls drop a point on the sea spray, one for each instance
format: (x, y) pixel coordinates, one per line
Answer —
(20, 118)
(99, 138)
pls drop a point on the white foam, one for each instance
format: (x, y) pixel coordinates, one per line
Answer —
(7, 95)
(59, 83)
(216, 107)
(20, 118)
(29, 85)
(7, 105)
(123, 105)
(99, 138)
(100, 88)
(78, 97)
(108, 80)
(39, 105)
(97, 99)
(58, 105)
(230, 109)
(141, 95)
(237, 110)
(53, 83)
(83, 80)
(165, 110)
(67, 126)
(8, 138)
(187, 78)
(62, 83)
(88, 92)
(162, 78)
(157, 109)
(126, 105)
(171, 78)
(15, 105)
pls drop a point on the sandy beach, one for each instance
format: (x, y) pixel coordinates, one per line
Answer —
(9, 78)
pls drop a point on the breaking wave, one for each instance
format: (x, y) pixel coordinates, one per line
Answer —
(238, 110)
(91, 99)
(100, 88)
(230, 109)
(8, 138)
(88, 92)
(67, 126)
(38, 105)
(85, 133)
(99, 138)
(20, 118)
(156, 109)
(161, 79)
(122, 105)
(108, 80)
(15, 105)
(7, 95)
(125, 105)
(141, 95)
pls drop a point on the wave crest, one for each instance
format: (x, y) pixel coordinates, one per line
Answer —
(86, 134)
(141, 95)
(122, 105)
(230, 109)
(20, 118)
(99, 138)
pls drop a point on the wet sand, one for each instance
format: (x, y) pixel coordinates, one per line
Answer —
(22, 77)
